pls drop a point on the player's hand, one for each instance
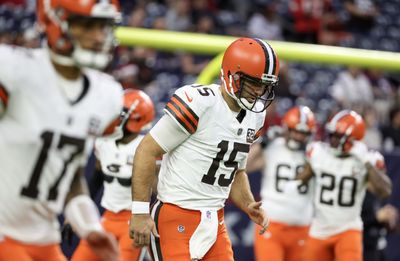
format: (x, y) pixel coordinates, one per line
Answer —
(140, 227)
(360, 151)
(103, 245)
(388, 215)
(258, 215)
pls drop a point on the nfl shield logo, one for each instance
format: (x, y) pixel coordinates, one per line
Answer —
(250, 135)
(181, 229)
(208, 214)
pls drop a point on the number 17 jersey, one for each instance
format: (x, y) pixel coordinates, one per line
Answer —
(44, 139)
(199, 172)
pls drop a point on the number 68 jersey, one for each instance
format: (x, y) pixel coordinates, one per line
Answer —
(340, 189)
(44, 139)
(199, 172)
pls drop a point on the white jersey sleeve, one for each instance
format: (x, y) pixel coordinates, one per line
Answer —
(187, 105)
(10, 69)
(376, 159)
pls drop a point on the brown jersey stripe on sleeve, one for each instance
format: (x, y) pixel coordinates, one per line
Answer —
(258, 133)
(180, 118)
(3, 95)
(187, 110)
(184, 112)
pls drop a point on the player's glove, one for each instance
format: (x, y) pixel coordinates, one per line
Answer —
(360, 151)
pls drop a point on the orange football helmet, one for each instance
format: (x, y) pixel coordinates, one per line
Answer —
(345, 127)
(250, 60)
(138, 112)
(54, 16)
(299, 123)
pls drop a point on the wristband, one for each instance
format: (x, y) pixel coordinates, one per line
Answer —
(83, 215)
(140, 207)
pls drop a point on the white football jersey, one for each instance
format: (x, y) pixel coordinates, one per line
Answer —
(198, 173)
(283, 205)
(116, 163)
(44, 138)
(340, 189)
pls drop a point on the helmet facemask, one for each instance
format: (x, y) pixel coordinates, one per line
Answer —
(59, 19)
(297, 140)
(246, 86)
(101, 55)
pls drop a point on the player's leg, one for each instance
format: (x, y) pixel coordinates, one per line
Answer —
(268, 246)
(349, 246)
(296, 237)
(84, 253)
(318, 249)
(48, 252)
(175, 227)
(222, 248)
(11, 250)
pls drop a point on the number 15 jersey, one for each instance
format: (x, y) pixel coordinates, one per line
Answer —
(199, 172)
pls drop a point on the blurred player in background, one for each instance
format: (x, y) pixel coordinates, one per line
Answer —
(52, 108)
(206, 134)
(283, 160)
(114, 161)
(343, 169)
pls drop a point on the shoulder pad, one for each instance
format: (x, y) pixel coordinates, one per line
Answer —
(377, 160)
(188, 104)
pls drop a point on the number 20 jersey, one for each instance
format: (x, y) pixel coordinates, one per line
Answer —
(198, 173)
(44, 139)
(340, 189)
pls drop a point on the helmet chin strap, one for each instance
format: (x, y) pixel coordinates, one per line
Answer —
(87, 58)
(61, 59)
(245, 104)
(293, 145)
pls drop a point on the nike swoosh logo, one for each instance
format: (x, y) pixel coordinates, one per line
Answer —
(190, 99)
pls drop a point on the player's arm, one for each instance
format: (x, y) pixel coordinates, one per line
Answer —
(84, 217)
(144, 168)
(306, 174)
(243, 198)
(165, 136)
(378, 182)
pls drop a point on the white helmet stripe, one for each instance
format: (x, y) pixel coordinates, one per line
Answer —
(303, 115)
(271, 56)
(338, 116)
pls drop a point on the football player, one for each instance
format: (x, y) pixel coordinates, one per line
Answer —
(343, 169)
(284, 158)
(206, 134)
(114, 161)
(53, 107)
